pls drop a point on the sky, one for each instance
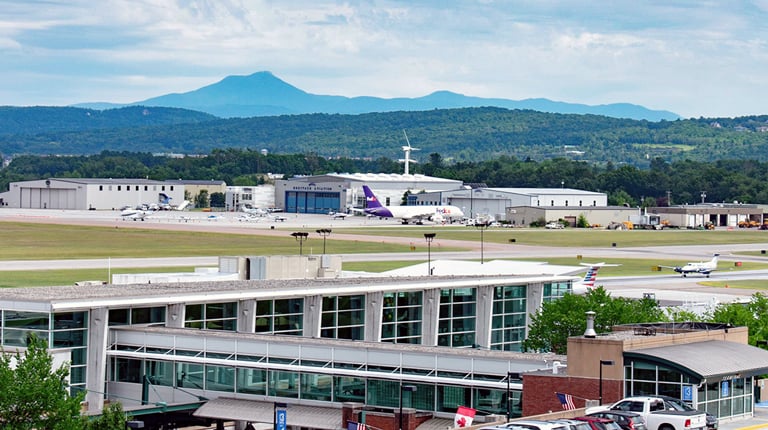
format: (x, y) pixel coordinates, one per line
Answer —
(694, 58)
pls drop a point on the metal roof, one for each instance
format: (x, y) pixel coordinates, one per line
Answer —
(262, 412)
(709, 359)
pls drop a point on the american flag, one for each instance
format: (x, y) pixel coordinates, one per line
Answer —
(566, 400)
(351, 425)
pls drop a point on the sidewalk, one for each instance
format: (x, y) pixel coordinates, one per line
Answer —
(758, 421)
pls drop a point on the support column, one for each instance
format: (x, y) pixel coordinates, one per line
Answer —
(484, 317)
(174, 317)
(373, 313)
(246, 318)
(96, 372)
(430, 319)
(313, 310)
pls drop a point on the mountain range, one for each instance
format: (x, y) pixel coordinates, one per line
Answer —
(264, 94)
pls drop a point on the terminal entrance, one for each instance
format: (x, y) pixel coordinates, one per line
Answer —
(312, 202)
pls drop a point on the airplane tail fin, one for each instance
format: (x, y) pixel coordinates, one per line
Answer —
(714, 259)
(591, 277)
(370, 199)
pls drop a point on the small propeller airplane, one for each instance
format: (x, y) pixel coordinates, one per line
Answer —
(701, 267)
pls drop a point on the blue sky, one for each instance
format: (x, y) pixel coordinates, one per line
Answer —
(695, 58)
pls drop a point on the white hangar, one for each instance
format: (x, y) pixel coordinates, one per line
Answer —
(90, 193)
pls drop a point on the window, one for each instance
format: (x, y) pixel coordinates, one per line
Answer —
(211, 316)
(508, 319)
(284, 316)
(456, 323)
(343, 317)
(401, 317)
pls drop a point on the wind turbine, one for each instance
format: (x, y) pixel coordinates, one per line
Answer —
(407, 149)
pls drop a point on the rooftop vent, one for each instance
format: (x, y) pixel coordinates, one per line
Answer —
(590, 331)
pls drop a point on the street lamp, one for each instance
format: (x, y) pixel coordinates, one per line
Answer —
(484, 224)
(603, 363)
(324, 232)
(429, 237)
(300, 236)
(409, 388)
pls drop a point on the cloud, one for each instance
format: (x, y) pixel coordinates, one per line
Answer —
(657, 53)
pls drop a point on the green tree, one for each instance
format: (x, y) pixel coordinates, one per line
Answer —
(218, 200)
(201, 199)
(556, 321)
(113, 417)
(582, 222)
(34, 395)
(753, 314)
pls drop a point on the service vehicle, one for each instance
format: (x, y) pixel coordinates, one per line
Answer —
(657, 414)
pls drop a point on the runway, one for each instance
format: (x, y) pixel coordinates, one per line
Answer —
(667, 288)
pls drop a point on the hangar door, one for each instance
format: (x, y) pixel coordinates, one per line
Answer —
(308, 202)
(48, 198)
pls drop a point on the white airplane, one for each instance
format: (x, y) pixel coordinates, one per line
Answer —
(418, 214)
(701, 267)
(254, 211)
(338, 215)
(135, 214)
(588, 283)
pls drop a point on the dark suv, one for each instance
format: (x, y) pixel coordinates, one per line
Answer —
(625, 419)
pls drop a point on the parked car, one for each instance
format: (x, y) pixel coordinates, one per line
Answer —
(658, 415)
(553, 225)
(625, 419)
(574, 424)
(529, 425)
(680, 405)
(597, 423)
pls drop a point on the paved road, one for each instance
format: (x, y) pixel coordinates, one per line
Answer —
(671, 288)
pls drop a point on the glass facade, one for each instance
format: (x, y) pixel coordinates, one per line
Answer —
(211, 316)
(61, 330)
(508, 319)
(282, 316)
(311, 202)
(457, 320)
(402, 314)
(343, 317)
(729, 397)
(555, 290)
(137, 316)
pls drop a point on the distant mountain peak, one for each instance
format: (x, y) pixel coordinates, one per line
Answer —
(264, 94)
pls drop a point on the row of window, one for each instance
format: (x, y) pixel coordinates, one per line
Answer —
(135, 187)
(311, 386)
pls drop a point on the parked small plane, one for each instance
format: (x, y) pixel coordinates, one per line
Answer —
(417, 214)
(701, 267)
(588, 283)
(135, 214)
(254, 211)
(338, 215)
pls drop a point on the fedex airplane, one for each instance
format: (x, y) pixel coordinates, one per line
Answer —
(407, 214)
(588, 283)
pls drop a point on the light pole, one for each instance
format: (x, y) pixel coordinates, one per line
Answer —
(300, 236)
(409, 388)
(429, 237)
(482, 226)
(603, 363)
(324, 232)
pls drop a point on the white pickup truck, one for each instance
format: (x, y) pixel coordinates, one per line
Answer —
(656, 415)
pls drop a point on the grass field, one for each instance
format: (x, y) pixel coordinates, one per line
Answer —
(22, 241)
(27, 241)
(586, 238)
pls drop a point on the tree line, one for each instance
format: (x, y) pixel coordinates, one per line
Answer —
(468, 134)
(662, 184)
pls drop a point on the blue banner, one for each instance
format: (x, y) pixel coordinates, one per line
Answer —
(281, 419)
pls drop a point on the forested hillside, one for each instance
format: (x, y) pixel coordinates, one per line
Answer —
(724, 181)
(470, 134)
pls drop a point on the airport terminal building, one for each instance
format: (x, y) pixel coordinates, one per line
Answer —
(310, 342)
